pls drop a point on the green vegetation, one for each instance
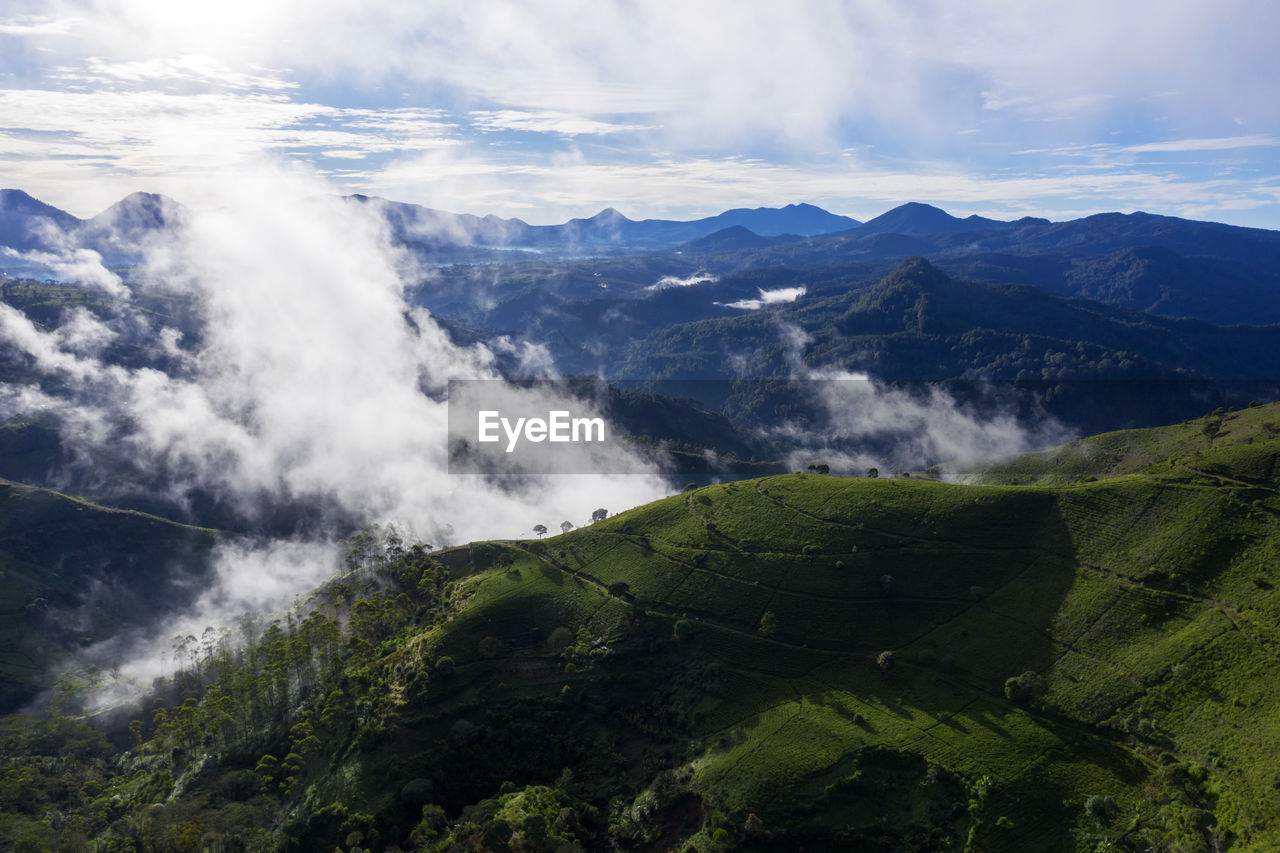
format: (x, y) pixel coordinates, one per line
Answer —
(73, 572)
(1083, 662)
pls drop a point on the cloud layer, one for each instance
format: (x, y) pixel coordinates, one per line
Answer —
(289, 375)
(660, 108)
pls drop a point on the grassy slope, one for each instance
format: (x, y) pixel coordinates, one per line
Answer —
(722, 661)
(1220, 443)
(54, 551)
(1144, 599)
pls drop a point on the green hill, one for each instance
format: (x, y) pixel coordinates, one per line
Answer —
(1218, 447)
(73, 572)
(796, 662)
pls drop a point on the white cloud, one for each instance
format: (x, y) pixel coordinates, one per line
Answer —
(95, 147)
(311, 380)
(867, 423)
(310, 376)
(560, 187)
(1222, 143)
(909, 87)
(37, 25)
(669, 281)
(83, 266)
(562, 124)
(204, 70)
(769, 297)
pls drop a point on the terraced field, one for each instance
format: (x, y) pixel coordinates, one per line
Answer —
(1077, 650)
(1139, 599)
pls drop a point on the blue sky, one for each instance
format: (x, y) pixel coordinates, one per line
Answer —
(555, 109)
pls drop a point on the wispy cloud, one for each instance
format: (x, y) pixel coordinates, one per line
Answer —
(600, 91)
(37, 25)
(561, 124)
(769, 297)
(669, 281)
(189, 69)
(1220, 143)
(100, 145)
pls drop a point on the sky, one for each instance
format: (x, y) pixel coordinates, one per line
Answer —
(560, 108)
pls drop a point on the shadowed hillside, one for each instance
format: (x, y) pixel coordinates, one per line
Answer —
(73, 573)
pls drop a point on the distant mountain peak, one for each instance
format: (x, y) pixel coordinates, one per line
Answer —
(729, 239)
(25, 221)
(916, 217)
(914, 206)
(609, 214)
(20, 201)
(134, 215)
(14, 196)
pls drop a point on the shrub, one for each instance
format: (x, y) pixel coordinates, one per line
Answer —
(884, 660)
(768, 624)
(445, 665)
(560, 639)
(496, 834)
(416, 793)
(683, 630)
(1101, 807)
(1027, 687)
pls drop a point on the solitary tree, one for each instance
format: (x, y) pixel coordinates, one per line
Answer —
(560, 639)
(768, 623)
(1028, 688)
(1101, 807)
(540, 529)
(599, 515)
(566, 526)
(873, 472)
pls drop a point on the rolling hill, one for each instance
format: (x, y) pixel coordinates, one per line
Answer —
(796, 662)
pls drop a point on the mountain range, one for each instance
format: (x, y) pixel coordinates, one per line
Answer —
(1159, 264)
(28, 224)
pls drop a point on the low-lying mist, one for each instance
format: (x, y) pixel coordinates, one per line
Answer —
(263, 356)
(853, 422)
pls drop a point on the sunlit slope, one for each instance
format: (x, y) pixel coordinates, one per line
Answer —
(1143, 605)
(73, 572)
(1221, 442)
